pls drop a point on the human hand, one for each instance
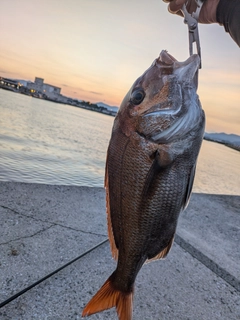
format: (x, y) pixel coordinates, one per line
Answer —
(207, 13)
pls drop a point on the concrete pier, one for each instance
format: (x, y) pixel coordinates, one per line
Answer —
(44, 227)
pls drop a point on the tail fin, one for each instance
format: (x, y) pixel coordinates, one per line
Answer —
(108, 297)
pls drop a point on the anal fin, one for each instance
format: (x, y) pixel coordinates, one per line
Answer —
(113, 247)
(163, 253)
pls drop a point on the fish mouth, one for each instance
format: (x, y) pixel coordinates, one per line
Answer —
(183, 74)
(166, 58)
(187, 71)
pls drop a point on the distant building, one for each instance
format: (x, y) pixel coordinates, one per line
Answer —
(44, 89)
(9, 84)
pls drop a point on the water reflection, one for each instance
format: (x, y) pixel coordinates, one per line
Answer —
(218, 170)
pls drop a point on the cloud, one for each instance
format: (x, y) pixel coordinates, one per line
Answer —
(84, 90)
(5, 71)
(97, 93)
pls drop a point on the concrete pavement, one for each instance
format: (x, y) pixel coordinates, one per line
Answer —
(43, 227)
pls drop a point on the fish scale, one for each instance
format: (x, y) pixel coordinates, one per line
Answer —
(150, 168)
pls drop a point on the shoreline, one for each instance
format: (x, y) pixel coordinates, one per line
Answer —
(229, 145)
(91, 107)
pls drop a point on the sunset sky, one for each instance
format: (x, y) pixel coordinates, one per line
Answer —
(95, 49)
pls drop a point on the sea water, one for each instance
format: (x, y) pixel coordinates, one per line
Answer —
(51, 143)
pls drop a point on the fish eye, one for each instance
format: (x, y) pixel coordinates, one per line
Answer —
(137, 96)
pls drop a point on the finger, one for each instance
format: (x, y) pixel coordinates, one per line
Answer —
(175, 10)
(176, 5)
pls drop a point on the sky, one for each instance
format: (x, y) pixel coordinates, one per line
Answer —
(95, 49)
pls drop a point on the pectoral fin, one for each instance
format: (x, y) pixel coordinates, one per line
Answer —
(162, 160)
(189, 188)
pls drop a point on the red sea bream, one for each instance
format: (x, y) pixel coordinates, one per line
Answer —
(150, 168)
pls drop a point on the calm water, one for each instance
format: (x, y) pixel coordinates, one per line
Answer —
(45, 142)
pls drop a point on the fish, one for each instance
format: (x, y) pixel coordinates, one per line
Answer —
(150, 168)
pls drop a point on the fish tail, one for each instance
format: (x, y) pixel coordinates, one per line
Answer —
(108, 297)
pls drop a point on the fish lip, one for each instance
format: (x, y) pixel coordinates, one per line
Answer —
(194, 57)
(166, 58)
(188, 68)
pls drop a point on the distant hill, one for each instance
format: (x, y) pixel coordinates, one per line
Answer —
(111, 108)
(230, 140)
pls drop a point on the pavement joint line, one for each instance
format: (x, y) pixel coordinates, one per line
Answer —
(209, 263)
(26, 237)
(53, 223)
(18, 294)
